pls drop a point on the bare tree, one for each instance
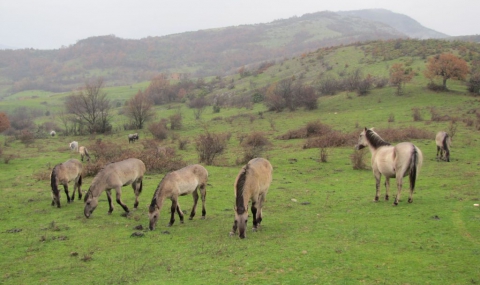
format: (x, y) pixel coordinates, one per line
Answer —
(91, 106)
(139, 109)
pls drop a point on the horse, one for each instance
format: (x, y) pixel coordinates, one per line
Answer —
(73, 146)
(443, 141)
(179, 183)
(251, 184)
(401, 160)
(132, 137)
(62, 174)
(53, 133)
(84, 153)
(114, 176)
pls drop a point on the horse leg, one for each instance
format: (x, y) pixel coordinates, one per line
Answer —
(254, 215)
(172, 211)
(118, 189)
(110, 203)
(203, 192)
(180, 212)
(387, 188)
(438, 151)
(261, 200)
(136, 189)
(399, 179)
(378, 177)
(234, 228)
(65, 187)
(195, 201)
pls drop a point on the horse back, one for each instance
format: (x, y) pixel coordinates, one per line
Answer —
(187, 179)
(442, 140)
(121, 173)
(69, 170)
(258, 176)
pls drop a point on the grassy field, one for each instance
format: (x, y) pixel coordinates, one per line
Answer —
(320, 225)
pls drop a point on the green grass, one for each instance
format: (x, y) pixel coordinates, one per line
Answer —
(320, 224)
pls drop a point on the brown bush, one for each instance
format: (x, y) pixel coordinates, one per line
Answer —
(358, 159)
(26, 137)
(317, 128)
(209, 146)
(254, 145)
(332, 139)
(404, 134)
(158, 130)
(417, 115)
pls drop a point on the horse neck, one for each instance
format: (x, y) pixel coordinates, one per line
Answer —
(375, 141)
(97, 187)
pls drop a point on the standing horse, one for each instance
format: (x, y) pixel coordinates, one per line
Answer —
(132, 137)
(53, 133)
(84, 153)
(403, 159)
(114, 176)
(179, 183)
(251, 184)
(443, 142)
(73, 146)
(62, 174)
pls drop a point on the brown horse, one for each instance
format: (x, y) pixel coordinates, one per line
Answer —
(62, 174)
(443, 142)
(84, 153)
(179, 183)
(114, 176)
(403, 159)
(251, 184)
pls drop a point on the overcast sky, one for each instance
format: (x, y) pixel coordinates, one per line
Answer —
(51, 24)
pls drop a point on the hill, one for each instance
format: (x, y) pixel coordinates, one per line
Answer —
(196, 54)
(400, 22)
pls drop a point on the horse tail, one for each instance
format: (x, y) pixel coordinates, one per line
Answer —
(53, 180)
(413, 167)
(445, 142)
(80, 180)
(242, 177)
(141, 187)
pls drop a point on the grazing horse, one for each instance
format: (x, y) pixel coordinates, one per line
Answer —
(73, 146)
(251, 184)
(132, 137)
(403, 159)
(114, 176)
(62, 174)
(53, 133)
(179, 183)
(84, 153)
(443, 141)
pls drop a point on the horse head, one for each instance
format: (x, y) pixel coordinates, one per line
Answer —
(241, 218)
(153, 214)
(362, 140)
(90, 203)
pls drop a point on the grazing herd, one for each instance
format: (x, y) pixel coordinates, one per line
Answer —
(251, 184)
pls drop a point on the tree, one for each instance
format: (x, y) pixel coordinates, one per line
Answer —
(91, 106)
(447, 66)
(399, 76)
(4, 122)
(139, 109)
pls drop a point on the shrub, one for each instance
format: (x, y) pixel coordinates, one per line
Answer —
(417, 115)
(176, 121)
(26, 137)
(358, 159)
(253, 145)
(158, 130)
(209, 146)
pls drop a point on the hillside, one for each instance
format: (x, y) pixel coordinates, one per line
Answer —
(195, 54)
(400, 22)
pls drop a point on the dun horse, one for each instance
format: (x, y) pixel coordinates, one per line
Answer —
(132, 137)
(443, 142)
(401, 160)
(114, 176)
(84, 153)
(251, 184)
(62, 174)
(179, 183)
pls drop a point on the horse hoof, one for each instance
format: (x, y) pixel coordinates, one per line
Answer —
(203, 217)
(386, 198)
(395, 203)
(231, 234)
(254, 229)
(410, 200)
(191, 218)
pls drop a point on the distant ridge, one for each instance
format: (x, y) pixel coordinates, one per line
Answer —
(400, 22)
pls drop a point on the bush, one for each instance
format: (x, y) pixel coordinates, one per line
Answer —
(253, 146)
(26, 137)
(209, 146)
(158, 130)
(358, 159)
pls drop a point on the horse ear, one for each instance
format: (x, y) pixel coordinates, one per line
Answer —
(365, 128)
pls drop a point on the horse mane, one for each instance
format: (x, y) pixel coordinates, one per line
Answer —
(155, 195)
(53, 180)
(239, 203)
(375, 140)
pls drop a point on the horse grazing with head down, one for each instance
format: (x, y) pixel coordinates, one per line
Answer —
(114, 176)
(132, 137)
(84, 153)
(401, 160)
(251, 184)
(181, 182)
(443, 142)
(62, 174)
